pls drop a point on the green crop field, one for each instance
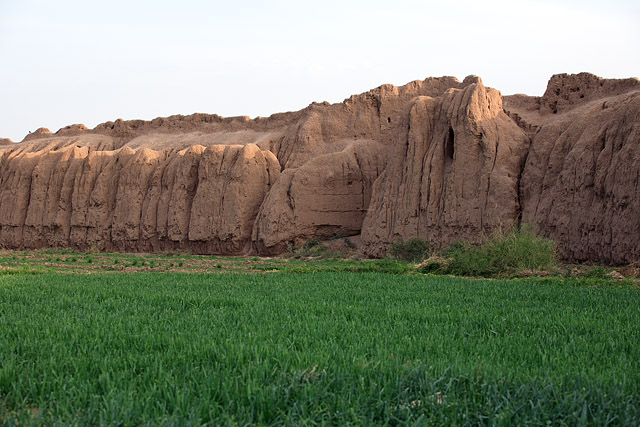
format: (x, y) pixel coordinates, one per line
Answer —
(315, 347)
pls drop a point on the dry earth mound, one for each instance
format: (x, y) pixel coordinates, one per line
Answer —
(455, 176)
(580, 182)
(439, 159)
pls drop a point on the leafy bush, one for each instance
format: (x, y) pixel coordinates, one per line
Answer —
(313, 248)
(597, 272)
(414, 249)
(434, 265)
(502, 253)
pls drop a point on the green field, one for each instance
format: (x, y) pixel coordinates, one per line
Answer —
(74, 262)
(327, 347)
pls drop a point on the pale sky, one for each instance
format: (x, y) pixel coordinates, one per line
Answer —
(65, 62)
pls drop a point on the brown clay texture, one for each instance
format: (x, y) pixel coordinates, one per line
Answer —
(439, 159)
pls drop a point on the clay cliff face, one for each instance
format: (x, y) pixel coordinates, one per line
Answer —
(580, 182)
(327, 196)
(456, 175)
(440, 159)
(144, 200)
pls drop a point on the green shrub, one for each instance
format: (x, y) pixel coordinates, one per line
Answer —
(349, 244)
(433, 266)
(597, 272)
(414, 249)
(454, 247)
(313, 248)
(311, 243)
(502, 253)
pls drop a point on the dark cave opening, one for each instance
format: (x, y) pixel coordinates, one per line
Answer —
(448, 146)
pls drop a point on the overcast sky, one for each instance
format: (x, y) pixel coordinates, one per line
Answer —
(65, 62)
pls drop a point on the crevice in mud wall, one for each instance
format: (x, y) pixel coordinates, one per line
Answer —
(23, 221)
(362, 182)
(449, 145)
(145, 243)
(167, 182)
(149, 229)
(519, 185)
(77, 199)
(69, 207)
(181, 200)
